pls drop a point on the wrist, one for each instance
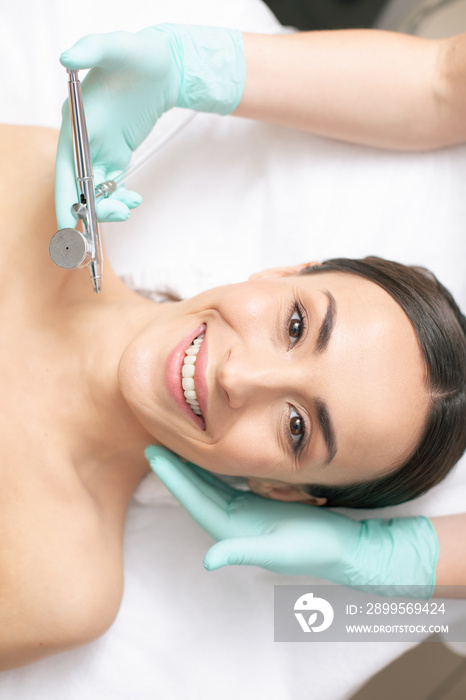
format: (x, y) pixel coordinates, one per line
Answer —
(212, 66)
(397, 557)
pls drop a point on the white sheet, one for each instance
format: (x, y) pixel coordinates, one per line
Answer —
(233, 196)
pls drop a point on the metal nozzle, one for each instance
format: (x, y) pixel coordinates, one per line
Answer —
(70, 249)
(105, 189)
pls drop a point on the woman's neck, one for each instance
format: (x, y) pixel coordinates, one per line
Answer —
(102, 429)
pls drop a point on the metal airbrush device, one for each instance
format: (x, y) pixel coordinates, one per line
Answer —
(70, 248)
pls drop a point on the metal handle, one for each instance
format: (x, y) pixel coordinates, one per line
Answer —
(85, 178)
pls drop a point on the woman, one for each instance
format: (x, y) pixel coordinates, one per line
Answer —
(119, 357)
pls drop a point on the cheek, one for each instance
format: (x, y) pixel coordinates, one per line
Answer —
(247, 448)
(248, 308)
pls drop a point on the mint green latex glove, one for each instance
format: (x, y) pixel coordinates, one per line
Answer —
(387, 557)
(135, 78)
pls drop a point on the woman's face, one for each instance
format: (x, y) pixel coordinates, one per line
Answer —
(299, 379)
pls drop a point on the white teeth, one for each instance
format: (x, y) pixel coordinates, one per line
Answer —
(192, 350)
(187, 374)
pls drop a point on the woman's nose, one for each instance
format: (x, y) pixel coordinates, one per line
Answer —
(252, 376)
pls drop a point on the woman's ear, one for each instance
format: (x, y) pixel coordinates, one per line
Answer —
(282, 271)
(280, 491)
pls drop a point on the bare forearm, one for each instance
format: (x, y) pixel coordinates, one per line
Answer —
(451, 565)
(366, 86)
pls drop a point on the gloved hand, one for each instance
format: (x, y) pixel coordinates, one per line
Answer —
(135, 78)
(384, 557)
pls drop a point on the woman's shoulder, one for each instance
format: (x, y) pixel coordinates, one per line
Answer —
(27, 170)
(60, 569)
(27, 176)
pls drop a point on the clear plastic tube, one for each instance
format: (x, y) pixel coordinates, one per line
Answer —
(105, 189)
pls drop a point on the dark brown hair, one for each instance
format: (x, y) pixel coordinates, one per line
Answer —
(441, 331)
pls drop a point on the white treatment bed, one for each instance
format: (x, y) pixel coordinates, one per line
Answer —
(224, 198)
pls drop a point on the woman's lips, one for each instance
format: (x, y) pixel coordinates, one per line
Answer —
(173, 376)
(200, 377)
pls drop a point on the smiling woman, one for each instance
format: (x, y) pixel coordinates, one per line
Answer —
(347, 376)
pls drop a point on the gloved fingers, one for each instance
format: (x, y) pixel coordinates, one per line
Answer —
(95, 50)
(111, 209)
(219, 485)
(100, 172)
(107, 50)
(205, 481)
(117, 206)
(246, 551)
(203, 502)
(131, 198)
(65, 184)
(186, 481)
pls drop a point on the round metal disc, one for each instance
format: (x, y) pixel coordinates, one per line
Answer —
(68, 248)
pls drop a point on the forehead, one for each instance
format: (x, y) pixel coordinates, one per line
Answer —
(372, 375)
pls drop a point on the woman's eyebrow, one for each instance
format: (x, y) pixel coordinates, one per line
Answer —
(323, 415)
(327, 324)
(327, 429)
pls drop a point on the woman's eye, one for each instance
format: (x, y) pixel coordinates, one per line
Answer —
(295, 326)
(297, 428)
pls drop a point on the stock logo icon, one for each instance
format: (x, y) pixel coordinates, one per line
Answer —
(312, 606)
